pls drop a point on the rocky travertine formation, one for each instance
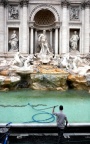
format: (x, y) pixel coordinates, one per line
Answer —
(67, 71)
(8, 80)
(49, 78)
(79, 82)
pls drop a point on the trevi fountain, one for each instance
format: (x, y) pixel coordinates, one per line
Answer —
(44, 46)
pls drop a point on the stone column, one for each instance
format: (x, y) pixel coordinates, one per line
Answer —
(64, 48)
(87, 27)
(2, 27)
(51, 37)
(25, 49)
(56, 41)
(83, 27)
(31, 42)
(5, 29)
(35, 40)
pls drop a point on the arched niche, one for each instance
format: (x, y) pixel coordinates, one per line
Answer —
(44, 17)
(44, 7)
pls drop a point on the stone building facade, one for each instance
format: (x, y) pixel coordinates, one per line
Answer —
(24, 20)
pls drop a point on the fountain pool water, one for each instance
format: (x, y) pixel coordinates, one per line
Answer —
(20, 106)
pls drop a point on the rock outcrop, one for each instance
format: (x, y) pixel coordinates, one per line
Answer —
(79, 82)
(49, 78)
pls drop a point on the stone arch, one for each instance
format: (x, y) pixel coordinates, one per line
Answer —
(43, 7)
(44, 18)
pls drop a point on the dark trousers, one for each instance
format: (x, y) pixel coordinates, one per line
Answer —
(60, 135)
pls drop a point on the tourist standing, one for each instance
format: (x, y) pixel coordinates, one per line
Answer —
(61, 122)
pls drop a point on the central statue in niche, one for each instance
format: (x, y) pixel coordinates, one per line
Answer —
(45, 54)
(74, 41)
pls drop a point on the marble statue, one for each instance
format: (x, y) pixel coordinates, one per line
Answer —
(28, 60)
(45, 54)
(14, 41)
(18, 60)
(76, 62)
(74, 41)
(64, 61)
(22, 64)
(42, 39)
(82, 71)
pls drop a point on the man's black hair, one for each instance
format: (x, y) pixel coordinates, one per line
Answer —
(60, 107)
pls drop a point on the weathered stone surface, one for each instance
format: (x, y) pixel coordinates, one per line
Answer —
(9, 79)
(5, 72)
(78, 82)
(50, 69)
(49, 81)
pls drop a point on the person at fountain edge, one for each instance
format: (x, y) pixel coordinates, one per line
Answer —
(61, 123)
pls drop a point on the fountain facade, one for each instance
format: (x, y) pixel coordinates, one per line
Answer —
(47, 41)
(66, 23)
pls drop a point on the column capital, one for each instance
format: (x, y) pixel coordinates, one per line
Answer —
(64, 3)
(31, 24)
(83, 6)
(50, 30)
(86, 4)
(3, 2)
(24, 2)
(57, 24)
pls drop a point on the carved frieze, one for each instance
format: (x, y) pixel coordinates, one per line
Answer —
(74, 13)
(13, 12)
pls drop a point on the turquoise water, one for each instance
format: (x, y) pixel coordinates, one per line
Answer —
(21, 106)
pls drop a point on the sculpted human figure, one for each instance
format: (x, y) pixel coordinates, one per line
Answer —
(45, 54)
(74, 41)
(14, 41)
(42, 39)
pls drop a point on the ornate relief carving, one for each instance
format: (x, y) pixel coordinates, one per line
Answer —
(74, 13)
(24, 2)
(13, 12)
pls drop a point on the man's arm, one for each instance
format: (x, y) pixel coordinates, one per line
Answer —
(53, 109)
(66, 121)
